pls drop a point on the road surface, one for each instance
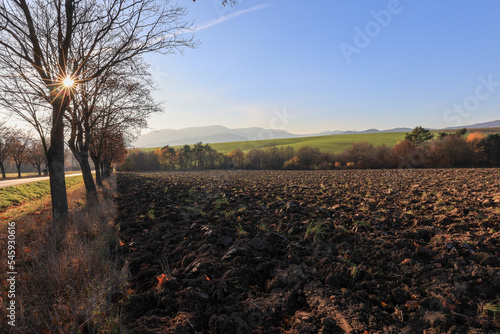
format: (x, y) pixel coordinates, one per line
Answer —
(16, 182)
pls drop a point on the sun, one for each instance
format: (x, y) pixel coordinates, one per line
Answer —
(68, 82)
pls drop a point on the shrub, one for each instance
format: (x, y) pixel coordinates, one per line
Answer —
(491, 147)
(362, 154)
(293, 163)
(308, 156)
(409, 154)
(138, 160)
(454, 151)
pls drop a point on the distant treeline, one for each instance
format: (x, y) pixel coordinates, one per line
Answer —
(420, 149)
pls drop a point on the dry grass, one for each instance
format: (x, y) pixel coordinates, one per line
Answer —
(68, 279)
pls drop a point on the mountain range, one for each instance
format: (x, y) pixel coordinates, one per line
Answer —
(221, 134)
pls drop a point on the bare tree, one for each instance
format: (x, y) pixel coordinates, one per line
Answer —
(19, 149)
(125, 102)
(36, 155)
(5, 147)
(117, 100)
(39, 59)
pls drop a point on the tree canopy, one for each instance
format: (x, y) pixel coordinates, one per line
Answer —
(419, 135)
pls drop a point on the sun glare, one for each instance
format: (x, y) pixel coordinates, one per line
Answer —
(68, 82)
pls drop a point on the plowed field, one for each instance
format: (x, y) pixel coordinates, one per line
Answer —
(399, 251)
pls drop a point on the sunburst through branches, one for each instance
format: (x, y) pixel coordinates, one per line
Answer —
(64, 88)
(68, 82)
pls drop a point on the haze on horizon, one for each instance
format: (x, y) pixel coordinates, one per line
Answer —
(339, 65)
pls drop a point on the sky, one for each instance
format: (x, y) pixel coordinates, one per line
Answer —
(313, 66)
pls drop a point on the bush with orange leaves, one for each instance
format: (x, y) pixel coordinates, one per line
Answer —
(474, 141)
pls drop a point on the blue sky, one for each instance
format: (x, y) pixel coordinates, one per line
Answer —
(310, 66)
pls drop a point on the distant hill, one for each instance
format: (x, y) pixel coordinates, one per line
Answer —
(492, 124)
(337, 132)
(221, 134)
(207, 134)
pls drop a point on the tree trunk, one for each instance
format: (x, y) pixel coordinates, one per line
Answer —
(97, 165)
(55, 159)
(80, 148)
(103, 173)
(39, 168)
(88, 179)
(107, 170)
(3, 170)
(18, 166)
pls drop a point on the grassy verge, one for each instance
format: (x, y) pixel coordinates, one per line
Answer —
(68, 280)
(12, 196)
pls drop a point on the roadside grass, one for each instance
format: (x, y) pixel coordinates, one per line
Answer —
(15, 195)
(68, 278)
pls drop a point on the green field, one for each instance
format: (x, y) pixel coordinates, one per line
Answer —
(332, 143)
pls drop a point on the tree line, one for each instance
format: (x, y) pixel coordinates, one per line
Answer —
(19, 147)
(420, 149)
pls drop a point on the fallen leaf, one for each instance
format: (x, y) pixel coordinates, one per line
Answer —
(162, 279)
(412, 304)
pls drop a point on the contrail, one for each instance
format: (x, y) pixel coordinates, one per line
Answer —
(229, 17)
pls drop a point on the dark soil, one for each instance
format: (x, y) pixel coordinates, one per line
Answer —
(399, 251)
